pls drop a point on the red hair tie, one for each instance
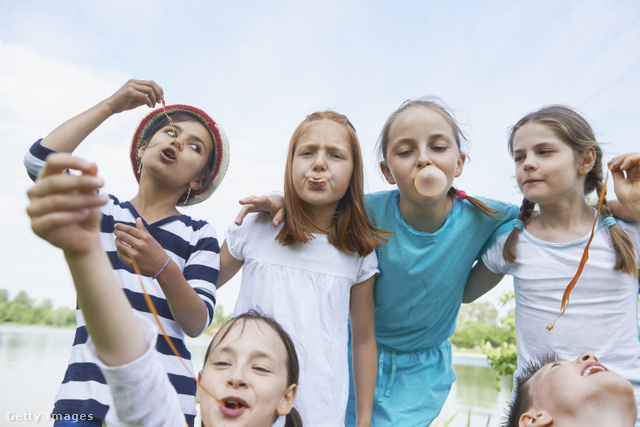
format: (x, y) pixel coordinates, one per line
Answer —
(461, 194)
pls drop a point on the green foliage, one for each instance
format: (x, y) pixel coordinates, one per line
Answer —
(504, 357)
(477, 324)
(219, 319)
(24, 311)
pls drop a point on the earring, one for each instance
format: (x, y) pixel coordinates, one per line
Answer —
(188, 194)
(139, 167)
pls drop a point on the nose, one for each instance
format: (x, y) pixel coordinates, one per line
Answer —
(320, 162)
(423, 159)
(236, 378)
(587, 356)
(529, 163)
(176, 144)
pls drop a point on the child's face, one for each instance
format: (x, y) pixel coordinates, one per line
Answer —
(564, 389)
(322, 165)
(546, 167)
(248, 367)
(420, 136)
(179, 163)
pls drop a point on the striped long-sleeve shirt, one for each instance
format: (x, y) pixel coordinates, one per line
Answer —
(194, 247)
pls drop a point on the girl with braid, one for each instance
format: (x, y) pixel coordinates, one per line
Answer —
(558, 162)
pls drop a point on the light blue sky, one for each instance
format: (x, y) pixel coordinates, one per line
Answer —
(260, 67)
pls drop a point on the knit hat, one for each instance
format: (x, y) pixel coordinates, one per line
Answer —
(220, 160)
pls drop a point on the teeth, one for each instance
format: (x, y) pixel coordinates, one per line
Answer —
(232, 404)
(592, 369)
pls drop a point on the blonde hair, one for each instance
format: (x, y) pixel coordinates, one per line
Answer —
(350, 230)
(576, 132)
(437, 105)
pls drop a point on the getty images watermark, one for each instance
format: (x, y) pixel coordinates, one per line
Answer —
(34, 416)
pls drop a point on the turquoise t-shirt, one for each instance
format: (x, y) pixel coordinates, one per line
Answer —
(422, 276)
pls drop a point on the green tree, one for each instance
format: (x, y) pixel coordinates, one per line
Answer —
(504, 357)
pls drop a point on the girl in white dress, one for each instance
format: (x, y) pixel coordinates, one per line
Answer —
(315, 271)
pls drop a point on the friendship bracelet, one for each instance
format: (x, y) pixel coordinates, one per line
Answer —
(162, 268)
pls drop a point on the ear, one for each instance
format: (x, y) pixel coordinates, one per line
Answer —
(387, 172)
(587, 161)
(534, 418)
(462, 158)
(198, 183)
(141, 150)
(198, 389)
(286, 403)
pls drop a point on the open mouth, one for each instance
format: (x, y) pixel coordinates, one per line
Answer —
(170, 152)
(593, 368)
(234, 403)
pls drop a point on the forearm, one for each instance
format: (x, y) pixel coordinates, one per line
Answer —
(68, 136)
(187, 308)
(108, 315)
(365, 359)
(481, 280)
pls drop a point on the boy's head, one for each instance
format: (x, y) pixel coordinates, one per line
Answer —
(218, 160)
(571, 393)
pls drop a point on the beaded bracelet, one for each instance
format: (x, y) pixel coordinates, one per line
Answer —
(162, 268)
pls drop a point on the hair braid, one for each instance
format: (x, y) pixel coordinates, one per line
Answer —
(622, 244)
(509, 250)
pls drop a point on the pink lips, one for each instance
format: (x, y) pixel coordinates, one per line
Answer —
(233, 406)
(592, 368)
(170, 153)
(317, 183)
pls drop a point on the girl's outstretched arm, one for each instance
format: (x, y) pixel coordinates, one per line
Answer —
(481, 280)
(65, 211)
(229, 266)
(364, 349)
(68, 136)
(625, 170)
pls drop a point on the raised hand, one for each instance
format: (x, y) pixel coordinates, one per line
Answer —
(135, 93)
(271, 204)
(625, 170)
(64, 208)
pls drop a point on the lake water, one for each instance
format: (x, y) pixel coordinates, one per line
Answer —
(33, 361)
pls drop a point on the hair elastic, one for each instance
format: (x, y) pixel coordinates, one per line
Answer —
(517, 223)
(462, 194)
(162, 268)
(609, 221)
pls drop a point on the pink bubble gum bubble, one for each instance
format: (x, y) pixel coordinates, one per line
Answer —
(430, 181)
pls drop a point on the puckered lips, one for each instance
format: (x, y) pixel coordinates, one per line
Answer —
(591, 368)
(316, 182)
(233, 406)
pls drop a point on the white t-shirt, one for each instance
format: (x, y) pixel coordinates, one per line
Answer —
(601, 315)
(306, 288)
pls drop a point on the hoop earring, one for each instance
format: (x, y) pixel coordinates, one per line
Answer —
(188, 194)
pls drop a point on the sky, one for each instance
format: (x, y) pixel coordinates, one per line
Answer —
(259, 68)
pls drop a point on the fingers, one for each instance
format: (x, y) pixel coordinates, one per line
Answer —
(55, 191)
(278, 217)
(152, 92)
(246, 209)
(625, 162)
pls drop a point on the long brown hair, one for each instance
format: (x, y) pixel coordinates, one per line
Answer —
(350, 230)
(437, 105)
(575, 131)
